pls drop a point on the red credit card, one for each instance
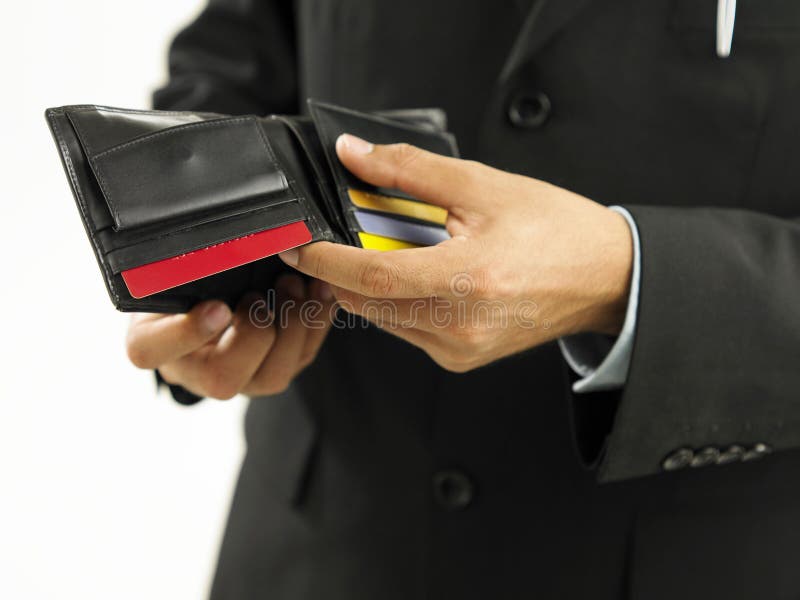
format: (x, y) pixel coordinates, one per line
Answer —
(161, 275)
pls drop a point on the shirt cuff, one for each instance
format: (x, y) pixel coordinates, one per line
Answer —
(600, 360)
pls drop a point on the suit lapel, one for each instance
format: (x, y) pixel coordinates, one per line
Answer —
(544, 19)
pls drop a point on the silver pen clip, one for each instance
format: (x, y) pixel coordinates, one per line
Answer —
(726, 13)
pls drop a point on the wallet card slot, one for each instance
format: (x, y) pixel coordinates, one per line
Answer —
(400, 229)
(192, 169)
(162, 275)
(373, 241)
(399, 207)
(213, 232)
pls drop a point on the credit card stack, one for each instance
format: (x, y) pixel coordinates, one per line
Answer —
(185, 206)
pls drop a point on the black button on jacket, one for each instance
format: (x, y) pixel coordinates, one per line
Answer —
(567, 497)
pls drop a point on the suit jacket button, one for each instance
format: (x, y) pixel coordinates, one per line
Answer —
(756, 451)
(529, 110)
(682, 457)
(707, 456)
(452, 489)
(734, 453)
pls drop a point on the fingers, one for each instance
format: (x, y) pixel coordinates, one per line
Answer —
(256, 355)
(156, 339)
(413, 273)
(282, 363)
(223, 369)
(447, 182)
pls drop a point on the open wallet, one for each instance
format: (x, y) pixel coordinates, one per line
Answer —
(182, 207)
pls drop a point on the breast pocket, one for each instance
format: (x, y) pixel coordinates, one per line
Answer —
(717, 551)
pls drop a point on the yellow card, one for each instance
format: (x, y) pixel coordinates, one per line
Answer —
(370, 241)
(399, 206)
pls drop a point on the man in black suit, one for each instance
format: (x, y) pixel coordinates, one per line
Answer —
(654, 454)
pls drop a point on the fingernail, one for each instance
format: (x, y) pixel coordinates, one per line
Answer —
(290, 257)
(216, 316)
(354, 144)
(325, 292)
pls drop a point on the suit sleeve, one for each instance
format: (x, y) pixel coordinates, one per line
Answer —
(714, 374)
(237, 57)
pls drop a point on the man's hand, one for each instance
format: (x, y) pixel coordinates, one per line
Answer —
(213, 352)
(528, 262)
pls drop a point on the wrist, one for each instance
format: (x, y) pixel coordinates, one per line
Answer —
(613, 265)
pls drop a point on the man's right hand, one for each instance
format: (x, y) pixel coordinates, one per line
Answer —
(213, 352)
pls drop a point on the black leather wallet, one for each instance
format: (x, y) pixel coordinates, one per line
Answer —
(165, 188)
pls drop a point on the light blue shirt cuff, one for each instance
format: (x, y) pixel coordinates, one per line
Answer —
(601, 361)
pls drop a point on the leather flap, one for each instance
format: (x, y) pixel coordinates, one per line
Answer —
(331, 121)
(102, 127)
(187, 169)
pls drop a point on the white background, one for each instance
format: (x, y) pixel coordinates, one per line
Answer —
(106, 490)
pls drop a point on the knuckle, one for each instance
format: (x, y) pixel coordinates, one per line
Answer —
(348, 300)
(478, 169)
(138, 354)
(480, 173)
(222, 391)
(405, 154)
(275, 385)
(276, 380)
(308, 357)
(317, 263)
(219, 384)
(501, 285)
(379, 278)
(169, 377)
(484, 282)
(280, 386)
(404, 157)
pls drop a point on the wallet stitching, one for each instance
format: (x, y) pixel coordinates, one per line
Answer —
(82, 135)
(84, 210)
(170, 131)
(128, 111)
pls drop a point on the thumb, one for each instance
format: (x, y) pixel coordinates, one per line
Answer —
(441, 180)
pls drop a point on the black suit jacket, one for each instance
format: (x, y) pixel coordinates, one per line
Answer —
(379, 475)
